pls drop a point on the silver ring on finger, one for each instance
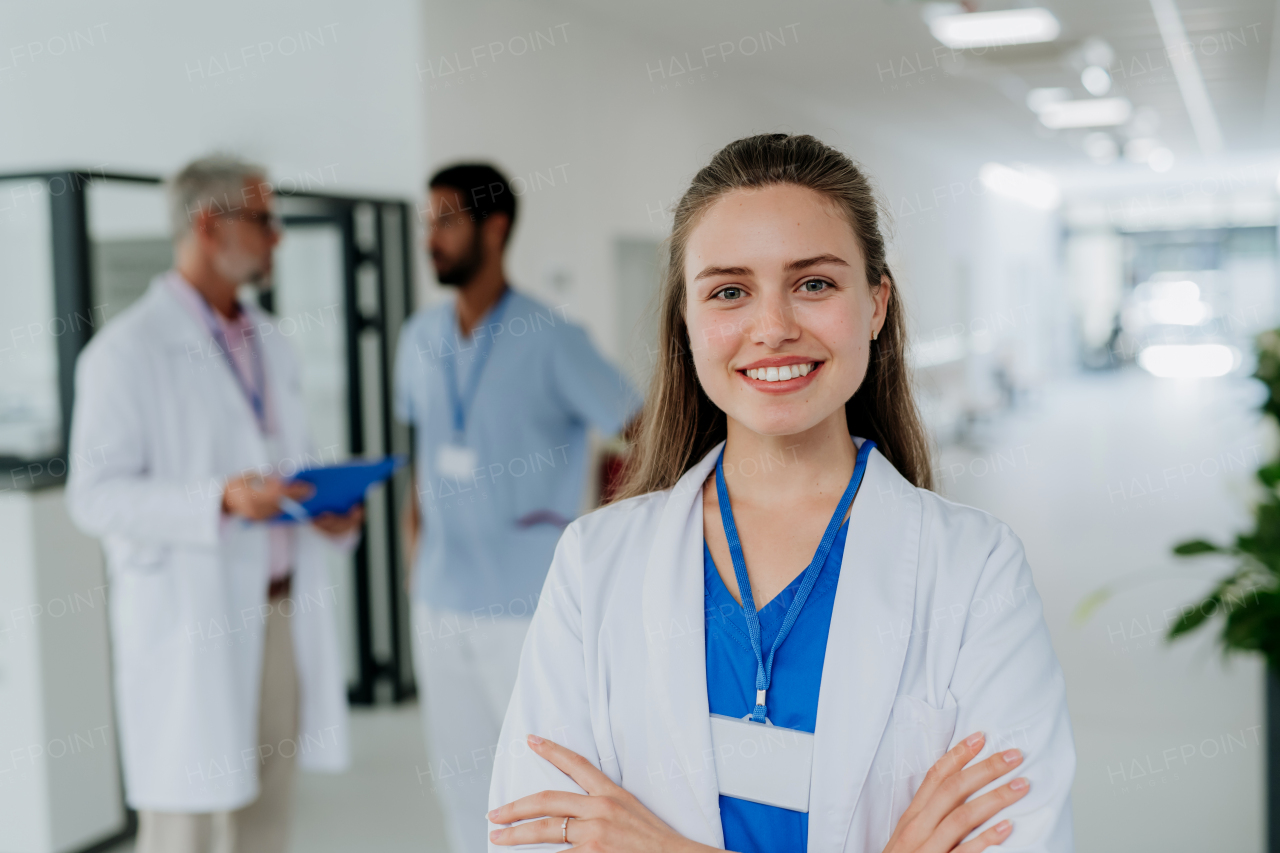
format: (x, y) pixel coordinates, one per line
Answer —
(564, 830)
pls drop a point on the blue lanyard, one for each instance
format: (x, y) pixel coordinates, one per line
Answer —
(457, 404)
(253, 395)
(764, 667)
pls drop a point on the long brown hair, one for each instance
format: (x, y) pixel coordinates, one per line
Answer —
(680, 424)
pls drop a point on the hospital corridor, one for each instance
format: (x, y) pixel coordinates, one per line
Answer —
(564, 425)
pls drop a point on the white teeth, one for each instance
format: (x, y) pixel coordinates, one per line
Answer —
(780, 374)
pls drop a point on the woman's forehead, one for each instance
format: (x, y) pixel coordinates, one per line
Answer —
(777, 224)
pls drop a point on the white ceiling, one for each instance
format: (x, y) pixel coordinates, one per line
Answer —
(852, 62)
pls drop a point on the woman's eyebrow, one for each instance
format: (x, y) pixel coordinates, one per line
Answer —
(714, 271)
(792, 266)
(815, 261)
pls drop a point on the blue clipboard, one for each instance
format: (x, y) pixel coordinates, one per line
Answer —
(338, 487)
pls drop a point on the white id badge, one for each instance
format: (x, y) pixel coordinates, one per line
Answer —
(455, 460)
(762, 763)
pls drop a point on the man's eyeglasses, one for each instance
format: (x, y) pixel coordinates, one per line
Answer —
(267, 222)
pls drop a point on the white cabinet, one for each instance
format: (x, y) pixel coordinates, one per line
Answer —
(59, 774)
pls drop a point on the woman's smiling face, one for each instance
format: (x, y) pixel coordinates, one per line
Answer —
(779, 311)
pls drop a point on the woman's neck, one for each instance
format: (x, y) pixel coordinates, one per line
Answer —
(788, 470)
(784, 490)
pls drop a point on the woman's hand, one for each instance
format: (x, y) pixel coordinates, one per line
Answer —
(606, 818)
(938, 817)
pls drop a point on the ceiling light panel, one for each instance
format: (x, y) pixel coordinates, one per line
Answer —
(994, 29)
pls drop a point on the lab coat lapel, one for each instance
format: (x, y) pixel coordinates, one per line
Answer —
(191, 342)
(863, 664)
(676, 668)
(282, 406)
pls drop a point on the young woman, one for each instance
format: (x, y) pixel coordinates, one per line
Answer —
(779, 639)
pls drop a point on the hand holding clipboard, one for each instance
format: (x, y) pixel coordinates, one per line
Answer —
(338, 489)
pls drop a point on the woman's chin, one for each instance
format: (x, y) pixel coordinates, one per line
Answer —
(775, 424)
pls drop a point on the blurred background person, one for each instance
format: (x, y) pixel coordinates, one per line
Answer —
(501, 389)
(222, 684)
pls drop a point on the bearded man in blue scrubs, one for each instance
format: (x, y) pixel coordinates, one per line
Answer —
(501, 390)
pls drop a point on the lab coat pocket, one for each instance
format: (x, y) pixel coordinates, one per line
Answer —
(921, 734)
(142, 557)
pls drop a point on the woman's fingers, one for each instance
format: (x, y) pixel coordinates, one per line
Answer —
(947, 766)
(958, 787)
(547, 830)
(966, 818)
(557, 803)
(910, 829)
(993, 836)
(542, 804)
(573, 765)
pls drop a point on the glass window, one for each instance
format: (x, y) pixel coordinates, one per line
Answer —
(30, 413)
(130, 243)
(307, 286)
(307, 291)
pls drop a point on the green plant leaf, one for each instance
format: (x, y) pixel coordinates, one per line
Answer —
(1194, 618)
(1269, 475)
(1195, 547)
(1246, 626)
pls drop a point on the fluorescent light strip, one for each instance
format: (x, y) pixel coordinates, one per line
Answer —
(1190, 81)
(993, 29)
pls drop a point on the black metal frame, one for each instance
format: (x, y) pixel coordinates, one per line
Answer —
(71, 296)
(343, 214)
(72, 282)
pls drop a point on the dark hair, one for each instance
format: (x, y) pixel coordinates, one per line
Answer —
(680, 424)
(485, 191)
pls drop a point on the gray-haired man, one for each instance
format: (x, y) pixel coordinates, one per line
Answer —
(226, 661)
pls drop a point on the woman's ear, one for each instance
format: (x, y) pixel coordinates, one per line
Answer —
(881, 297)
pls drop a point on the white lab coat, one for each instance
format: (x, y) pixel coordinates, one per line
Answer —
(936, 633)
(160, 423)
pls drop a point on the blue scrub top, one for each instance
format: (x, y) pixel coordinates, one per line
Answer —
(488, 538)
(793, 694)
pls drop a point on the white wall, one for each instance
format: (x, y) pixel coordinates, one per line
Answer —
(326, 89)
(599, 111)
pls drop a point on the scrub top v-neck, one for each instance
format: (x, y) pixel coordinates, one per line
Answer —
(793, 694)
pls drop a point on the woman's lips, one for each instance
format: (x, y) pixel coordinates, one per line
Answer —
(779, 385)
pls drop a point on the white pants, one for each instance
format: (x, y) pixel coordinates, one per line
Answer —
(466, 666)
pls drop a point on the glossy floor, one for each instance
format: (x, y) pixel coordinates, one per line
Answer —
(1100, 478)
(379, 804)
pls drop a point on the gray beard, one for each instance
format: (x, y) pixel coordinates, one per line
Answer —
(241, 268)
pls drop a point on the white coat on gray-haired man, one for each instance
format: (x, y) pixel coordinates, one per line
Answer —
(226, 660)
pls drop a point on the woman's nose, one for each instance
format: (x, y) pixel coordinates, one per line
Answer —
(774, 322)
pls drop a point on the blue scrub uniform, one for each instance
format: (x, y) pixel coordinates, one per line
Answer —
(490, 536)
(793, 693)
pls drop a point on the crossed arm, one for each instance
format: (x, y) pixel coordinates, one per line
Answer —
(608, 818)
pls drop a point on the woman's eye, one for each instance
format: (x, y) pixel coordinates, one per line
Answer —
(815, 285)
(730, 293)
